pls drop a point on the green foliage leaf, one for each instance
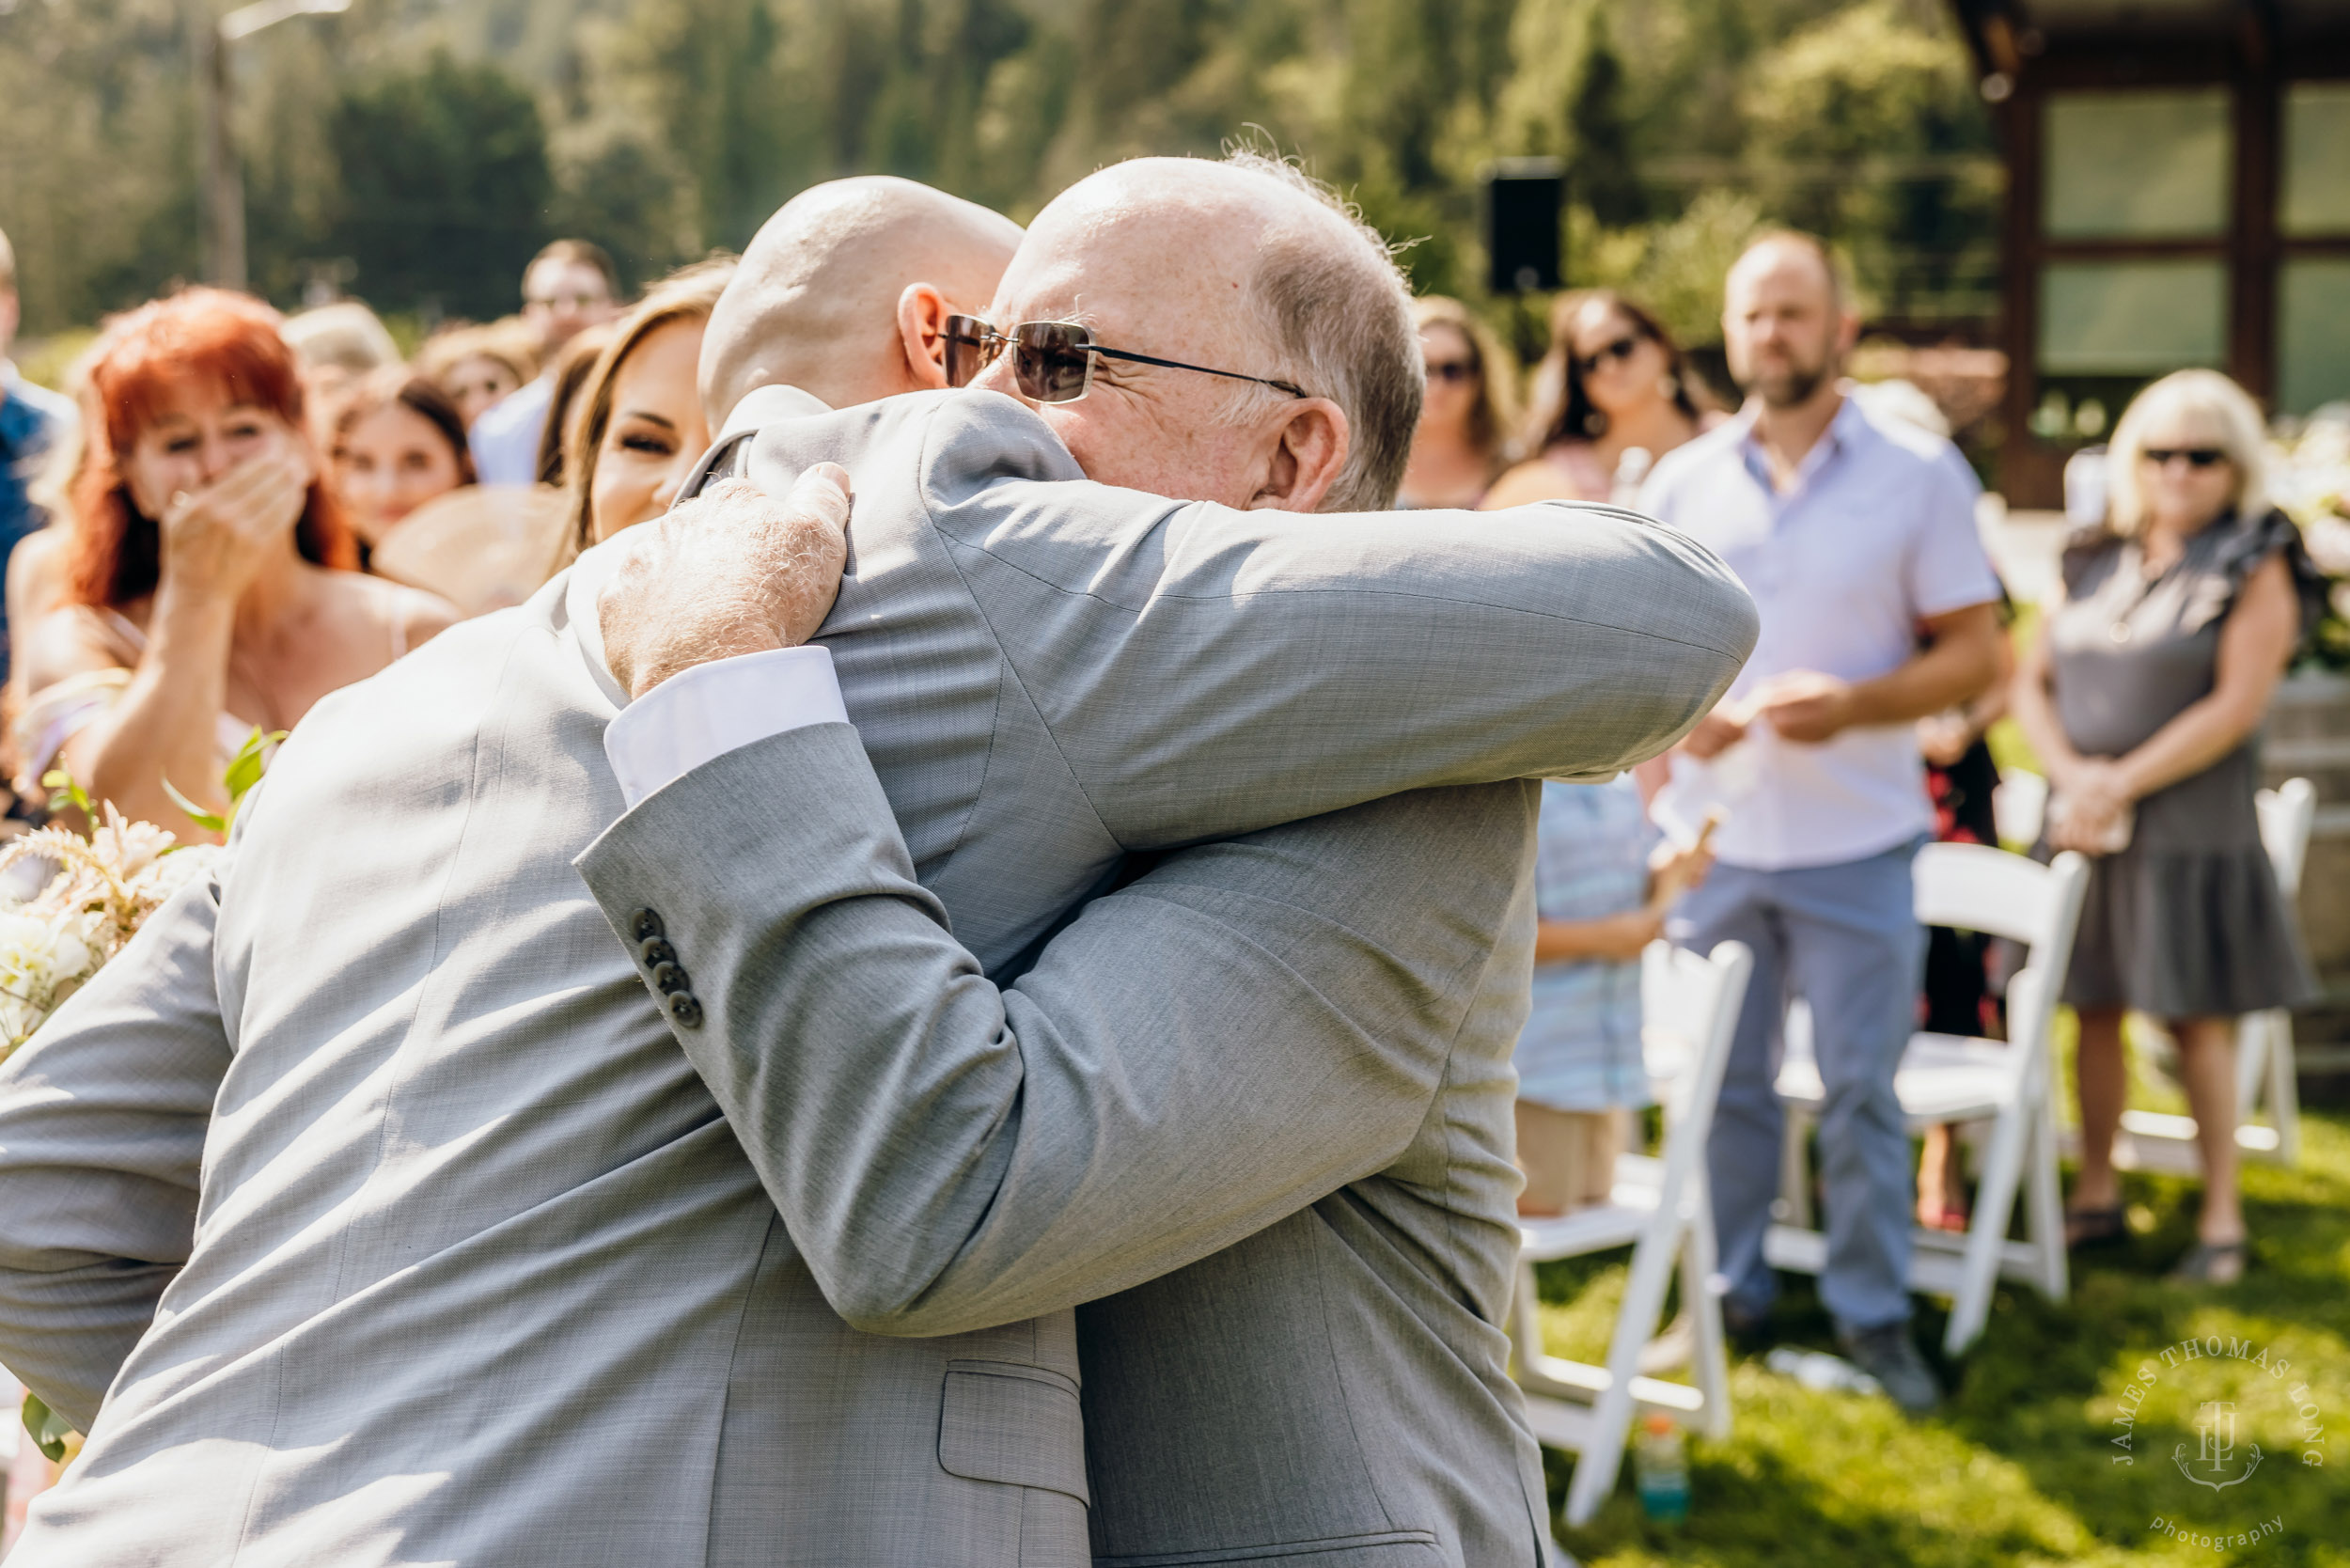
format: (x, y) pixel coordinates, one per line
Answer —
(49, 1428)
(195, 813)
(244, 768)
(244, 771)
(58, 781)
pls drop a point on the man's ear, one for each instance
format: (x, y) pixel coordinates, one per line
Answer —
(922, 313)
(1847, 333)
(1308, 448)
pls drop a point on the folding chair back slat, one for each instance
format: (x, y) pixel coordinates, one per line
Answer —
(2287, 813)
(1690, 1013)
(1976, 887)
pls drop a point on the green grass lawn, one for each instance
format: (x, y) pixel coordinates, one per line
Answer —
(2017, 1467)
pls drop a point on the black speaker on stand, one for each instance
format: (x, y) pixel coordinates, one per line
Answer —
(1522, 199)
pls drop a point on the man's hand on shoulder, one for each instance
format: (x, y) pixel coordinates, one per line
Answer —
(733, 572)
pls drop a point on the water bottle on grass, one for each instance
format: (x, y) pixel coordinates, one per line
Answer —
(1661, 1467)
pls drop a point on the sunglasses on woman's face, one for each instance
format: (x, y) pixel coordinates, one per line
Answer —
(2196, 457)
(1622, 347)
(1452, 372)
(1052, 362)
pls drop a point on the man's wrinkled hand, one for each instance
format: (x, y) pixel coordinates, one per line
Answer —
(733, 572)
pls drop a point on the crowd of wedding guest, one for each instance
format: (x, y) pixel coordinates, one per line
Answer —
(244, 511)
(247, 511)
(1857, 733)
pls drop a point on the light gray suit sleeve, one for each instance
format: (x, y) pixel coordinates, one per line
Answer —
(1205, 670)
(1247, 1029)
(103, 1117)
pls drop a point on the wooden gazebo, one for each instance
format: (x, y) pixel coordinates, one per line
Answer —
(2178, 194)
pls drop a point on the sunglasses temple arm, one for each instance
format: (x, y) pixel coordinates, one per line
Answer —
(1179, 365)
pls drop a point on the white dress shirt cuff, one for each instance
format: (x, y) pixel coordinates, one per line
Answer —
(713, 709)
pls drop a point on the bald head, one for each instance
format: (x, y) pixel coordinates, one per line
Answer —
(1246, 266)
(1785, 323)
(821, 298)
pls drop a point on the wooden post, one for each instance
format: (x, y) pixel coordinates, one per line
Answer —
(2026, 473)
(223, 184)
(2252, 251)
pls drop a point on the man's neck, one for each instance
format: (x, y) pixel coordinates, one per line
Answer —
(1787, 433)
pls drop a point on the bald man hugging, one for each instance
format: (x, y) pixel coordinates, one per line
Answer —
(754, 1234)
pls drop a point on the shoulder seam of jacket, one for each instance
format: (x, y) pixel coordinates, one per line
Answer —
(949, 544)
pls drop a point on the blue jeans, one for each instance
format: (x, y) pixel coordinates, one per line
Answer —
(1843, 938)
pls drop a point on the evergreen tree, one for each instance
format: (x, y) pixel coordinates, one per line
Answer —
(1602, 175)
(445, 187)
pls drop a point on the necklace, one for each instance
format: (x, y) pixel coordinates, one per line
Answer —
(2120, 630)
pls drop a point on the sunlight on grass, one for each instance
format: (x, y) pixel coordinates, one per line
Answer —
(2020, 1466)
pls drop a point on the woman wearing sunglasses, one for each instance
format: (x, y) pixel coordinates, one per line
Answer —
(1465, 416)
(1611, 384)
(2141, 695)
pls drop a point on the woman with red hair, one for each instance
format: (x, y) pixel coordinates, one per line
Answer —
(211, 587)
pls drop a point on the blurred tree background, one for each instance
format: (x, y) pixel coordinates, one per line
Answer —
(415, 151)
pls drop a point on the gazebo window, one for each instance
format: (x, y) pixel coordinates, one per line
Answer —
(2314, 333)
(2140, 318)
(2316, 160)
(2138, 165)
(2313, 216)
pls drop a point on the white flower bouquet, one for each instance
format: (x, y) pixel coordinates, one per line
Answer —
(98, 890)
(95, 895)
(103, 886)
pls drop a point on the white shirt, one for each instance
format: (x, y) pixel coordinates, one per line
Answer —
(1877, 535)
(504, 438)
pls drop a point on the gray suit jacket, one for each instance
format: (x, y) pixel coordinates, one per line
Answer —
(467, 1265)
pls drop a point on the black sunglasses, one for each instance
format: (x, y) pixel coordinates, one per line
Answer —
(1622, 347)
(1053, 361)
(2197, 457)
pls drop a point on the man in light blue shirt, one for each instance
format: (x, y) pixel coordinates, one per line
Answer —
(33, 420)
(568, 287)
(1857, 539)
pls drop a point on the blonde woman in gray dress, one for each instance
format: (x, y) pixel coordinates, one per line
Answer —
(2142, 694)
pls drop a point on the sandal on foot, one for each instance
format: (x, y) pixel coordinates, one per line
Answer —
(2212, 1264)
(1953, 1219)
(2086, 1226)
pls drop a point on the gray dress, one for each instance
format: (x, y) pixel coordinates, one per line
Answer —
(2187, 921)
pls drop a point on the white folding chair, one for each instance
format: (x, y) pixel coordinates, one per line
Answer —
(2264, 1068)
(1659, 1208)
(1950, 1079)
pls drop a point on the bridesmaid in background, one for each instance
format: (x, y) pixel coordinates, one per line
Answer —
(1465, 418)
(1613, 384)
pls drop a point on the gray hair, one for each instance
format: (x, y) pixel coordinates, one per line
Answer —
(1339, 319)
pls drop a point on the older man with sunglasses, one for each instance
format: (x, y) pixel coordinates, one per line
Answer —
(1295, 1205)
(497, 1207)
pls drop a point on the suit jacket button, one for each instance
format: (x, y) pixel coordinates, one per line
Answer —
(669, 977)
(685, 1010)
(645, 925)
(655, 952)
